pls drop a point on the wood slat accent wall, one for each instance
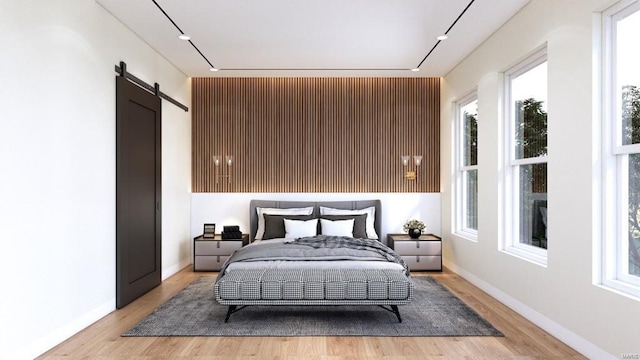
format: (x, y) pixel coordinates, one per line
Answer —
(315, 134)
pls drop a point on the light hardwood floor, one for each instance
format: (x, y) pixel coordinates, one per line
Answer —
(522, 340)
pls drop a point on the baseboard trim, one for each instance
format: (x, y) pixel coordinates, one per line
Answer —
(563, 334)
(172, 270)
(56, 337)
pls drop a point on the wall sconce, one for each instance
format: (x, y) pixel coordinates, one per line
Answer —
(417, 160)
(216, 161)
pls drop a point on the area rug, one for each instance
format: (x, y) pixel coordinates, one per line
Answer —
(435, 311)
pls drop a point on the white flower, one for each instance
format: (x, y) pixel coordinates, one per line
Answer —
(414, 224)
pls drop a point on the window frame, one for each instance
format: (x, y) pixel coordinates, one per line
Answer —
(462, 170)
(510, 242)
(613, 269)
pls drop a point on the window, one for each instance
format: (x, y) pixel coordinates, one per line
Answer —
(526, 164)
(466, 207)
(621, 149)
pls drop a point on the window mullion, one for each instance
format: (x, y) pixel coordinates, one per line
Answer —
(529, 161)
(469, 168)
(626, 149)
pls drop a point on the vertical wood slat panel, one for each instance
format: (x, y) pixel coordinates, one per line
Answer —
(315, 134)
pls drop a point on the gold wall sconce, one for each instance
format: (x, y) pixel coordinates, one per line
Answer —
(411, 174)
(217, 160)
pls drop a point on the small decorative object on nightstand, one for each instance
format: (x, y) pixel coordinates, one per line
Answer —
(423, 253)
(414, 228)
(209, 231)
(209, 254)
(231, 232)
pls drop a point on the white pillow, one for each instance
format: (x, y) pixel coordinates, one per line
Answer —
(275, 211)
(337, 227)
(371, 215)
(300, 228)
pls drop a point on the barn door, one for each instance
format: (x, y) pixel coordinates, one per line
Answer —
(138, 191)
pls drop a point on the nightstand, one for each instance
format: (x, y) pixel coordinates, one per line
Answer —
(210, 254)
(423, 253)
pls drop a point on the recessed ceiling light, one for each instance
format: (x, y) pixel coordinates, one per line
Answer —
(184, 37)
(213, 69)
(415, 69)
(442, 37)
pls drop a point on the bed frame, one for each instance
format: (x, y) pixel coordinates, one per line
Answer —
(241, 288)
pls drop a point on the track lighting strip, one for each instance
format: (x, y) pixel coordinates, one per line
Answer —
(182, 32)
(446, 33)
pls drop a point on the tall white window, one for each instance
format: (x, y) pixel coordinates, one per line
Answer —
(621, 148)
(526, 164)
(466, 208)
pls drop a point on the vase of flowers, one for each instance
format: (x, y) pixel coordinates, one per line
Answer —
(414, 228)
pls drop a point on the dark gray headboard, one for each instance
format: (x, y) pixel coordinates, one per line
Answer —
(348, 205)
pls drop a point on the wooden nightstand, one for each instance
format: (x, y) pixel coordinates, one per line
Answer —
(424, 253)
(210, 254)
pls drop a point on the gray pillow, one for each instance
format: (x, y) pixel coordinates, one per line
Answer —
(274, 224)
(359, 223)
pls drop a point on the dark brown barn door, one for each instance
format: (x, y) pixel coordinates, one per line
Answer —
(138, 192)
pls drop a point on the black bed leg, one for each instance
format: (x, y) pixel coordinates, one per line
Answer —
(396, 311)
(232, 308)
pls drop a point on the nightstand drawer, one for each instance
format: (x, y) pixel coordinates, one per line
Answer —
(417, 263)
(418, 247)
(217, 247)
(209, 263)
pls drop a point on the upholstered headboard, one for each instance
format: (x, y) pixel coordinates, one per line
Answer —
(348, 205)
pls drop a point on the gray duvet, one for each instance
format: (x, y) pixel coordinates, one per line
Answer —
(317, 248)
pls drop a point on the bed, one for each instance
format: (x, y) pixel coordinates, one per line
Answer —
(314, 253)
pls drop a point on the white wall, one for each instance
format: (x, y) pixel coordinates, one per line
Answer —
(560, 297)
(57, 167)
(233, 209)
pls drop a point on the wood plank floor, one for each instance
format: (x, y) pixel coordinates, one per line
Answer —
(523, 340)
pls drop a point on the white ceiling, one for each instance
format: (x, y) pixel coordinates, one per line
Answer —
(314, 37)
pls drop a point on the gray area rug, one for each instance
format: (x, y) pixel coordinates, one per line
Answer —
(435, 311)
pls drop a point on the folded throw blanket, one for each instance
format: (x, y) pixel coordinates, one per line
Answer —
(326, 241)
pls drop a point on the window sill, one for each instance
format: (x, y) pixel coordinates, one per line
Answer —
(533, 255)
(469, 236)
(622, 288)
